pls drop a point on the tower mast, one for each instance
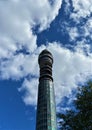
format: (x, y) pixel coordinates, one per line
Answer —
(46, 111)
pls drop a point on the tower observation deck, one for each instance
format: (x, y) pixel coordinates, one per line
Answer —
(46, 110)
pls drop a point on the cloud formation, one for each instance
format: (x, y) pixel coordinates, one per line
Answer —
(70, 68)
(17, 21)
(19, 51)
(82, 9)
(79, 25)
(18, 18)
(19, 66)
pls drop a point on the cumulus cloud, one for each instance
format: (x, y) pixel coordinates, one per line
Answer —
(88, 28)
(30, 88)
(83, 31)
(79, 25)
(19, 66)
(17, 18)
(69, 69)
(81, 8)
(73, 33)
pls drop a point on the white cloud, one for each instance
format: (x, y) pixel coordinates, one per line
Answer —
(17, 18)
(80, 33)
(69, 69)
(88, 28)
(79, 25)
(78, 9)
(30, 87)
(82, 9)
(83, 47)
(73, 33)
(67, 7)
(19, 66)
(7, 47)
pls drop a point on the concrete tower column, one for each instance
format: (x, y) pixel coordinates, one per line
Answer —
(46, 110)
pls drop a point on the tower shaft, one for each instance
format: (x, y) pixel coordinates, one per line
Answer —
(46, 111)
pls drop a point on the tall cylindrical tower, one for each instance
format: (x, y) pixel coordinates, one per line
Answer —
(46, 111)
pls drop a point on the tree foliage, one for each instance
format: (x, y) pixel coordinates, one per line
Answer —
(82, 118)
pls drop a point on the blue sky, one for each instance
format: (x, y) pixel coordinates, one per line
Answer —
(64, 27)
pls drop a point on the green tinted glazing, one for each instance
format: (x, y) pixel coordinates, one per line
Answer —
(46, 112)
